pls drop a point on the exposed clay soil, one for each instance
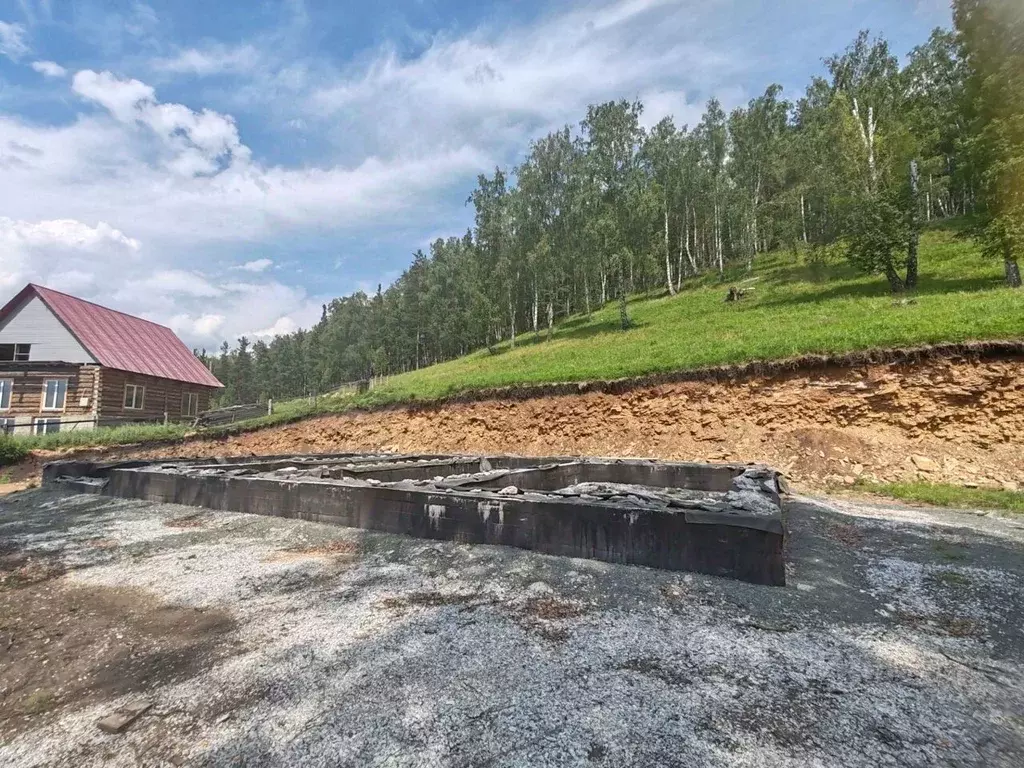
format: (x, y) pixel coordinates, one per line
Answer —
(947, 419)
(64, 646)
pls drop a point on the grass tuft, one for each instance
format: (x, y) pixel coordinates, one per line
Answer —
(944, 495)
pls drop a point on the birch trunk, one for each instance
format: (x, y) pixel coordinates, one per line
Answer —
(679, 264)
(689, 253)
(536, 301)
(895, 281)
(668, 257)
(1011, 266)
(867, 136)
(915, 234)
(512, 320)
(803, 218)
(718, 238)
(623, 309)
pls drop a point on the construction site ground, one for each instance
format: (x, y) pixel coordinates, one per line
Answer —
(898, 641)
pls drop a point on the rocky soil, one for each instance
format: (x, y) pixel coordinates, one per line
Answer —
(262, 641)
(947, 420)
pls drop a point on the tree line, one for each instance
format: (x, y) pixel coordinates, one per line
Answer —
(869, 153)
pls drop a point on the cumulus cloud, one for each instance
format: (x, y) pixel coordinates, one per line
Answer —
(12, 40)
(103, 169)
(196, 142)
(103, 264)
(49, 68)
(59, 251)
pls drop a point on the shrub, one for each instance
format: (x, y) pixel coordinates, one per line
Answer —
(11, 450)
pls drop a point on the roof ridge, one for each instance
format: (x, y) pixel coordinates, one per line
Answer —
(101, 306)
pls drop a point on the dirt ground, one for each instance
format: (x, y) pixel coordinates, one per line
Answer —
(898, 641)
(948, 420)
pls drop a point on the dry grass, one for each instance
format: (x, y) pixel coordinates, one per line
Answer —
(339, 550)
(425, 600)
(552, 608)
(943, 624)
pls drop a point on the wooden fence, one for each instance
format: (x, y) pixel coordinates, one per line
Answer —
(231, 414)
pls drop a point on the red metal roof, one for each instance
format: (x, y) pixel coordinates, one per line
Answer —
(121, 341)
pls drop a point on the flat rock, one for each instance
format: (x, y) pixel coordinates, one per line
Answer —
(120, 719)
(924, 463)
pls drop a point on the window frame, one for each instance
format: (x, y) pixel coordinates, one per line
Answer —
(45, 421)
(21, 356)
(192, 400)
(64, 400)
(7, 425)
(10, 393)
(136, 397)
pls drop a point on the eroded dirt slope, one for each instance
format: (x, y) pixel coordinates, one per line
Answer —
(953, 419)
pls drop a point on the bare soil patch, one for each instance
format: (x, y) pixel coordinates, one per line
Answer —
(66, 646)
(187, 521)
(340, 551)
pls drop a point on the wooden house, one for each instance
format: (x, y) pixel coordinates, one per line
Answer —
(66, 363)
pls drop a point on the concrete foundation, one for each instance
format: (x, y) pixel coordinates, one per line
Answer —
(720, 519)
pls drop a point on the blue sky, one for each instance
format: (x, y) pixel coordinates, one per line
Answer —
(225, 167)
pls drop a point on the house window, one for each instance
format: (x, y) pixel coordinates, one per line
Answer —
(134, 395)
(55, 392)
(44, 426)
(17, 353)
(6, 426)
(189, 403)
(6, 386)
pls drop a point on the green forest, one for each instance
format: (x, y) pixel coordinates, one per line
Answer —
(875, 152)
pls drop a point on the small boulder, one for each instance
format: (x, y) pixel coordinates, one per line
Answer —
(539, 589)
(925, 464)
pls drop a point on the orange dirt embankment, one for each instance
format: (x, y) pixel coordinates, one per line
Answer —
(945, 419)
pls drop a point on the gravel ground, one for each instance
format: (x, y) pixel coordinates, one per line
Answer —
(898, 642)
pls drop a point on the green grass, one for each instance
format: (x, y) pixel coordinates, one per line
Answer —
(14, 448)
(131, 433)
(797, 307)
(942, 495)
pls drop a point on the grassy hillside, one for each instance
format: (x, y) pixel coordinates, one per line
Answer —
(798, 305)
(795, 305)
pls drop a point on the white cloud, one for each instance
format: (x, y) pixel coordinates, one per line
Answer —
(49, 68)
(212, 60)
(196, 142)
(12, 40)
(63, 251)
(258, 265)
(105, 265)
(178, 282)
(104, 169)
(499, 87)
(184, 185)
(279, 328)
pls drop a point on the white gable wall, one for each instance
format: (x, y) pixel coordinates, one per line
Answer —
(33, 323)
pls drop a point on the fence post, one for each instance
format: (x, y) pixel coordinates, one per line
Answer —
(270, 406)
(165, 418)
